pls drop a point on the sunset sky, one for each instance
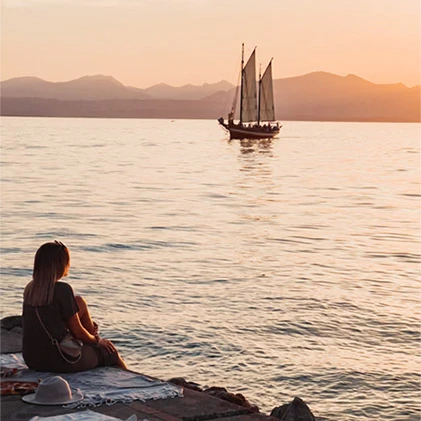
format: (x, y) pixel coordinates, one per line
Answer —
(145, 42)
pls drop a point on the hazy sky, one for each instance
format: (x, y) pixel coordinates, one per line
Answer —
(144, 42)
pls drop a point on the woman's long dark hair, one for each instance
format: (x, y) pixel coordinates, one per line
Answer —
(50, 264)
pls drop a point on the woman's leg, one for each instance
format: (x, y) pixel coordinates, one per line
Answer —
(84, 315)
(120, 363)
(88, 324)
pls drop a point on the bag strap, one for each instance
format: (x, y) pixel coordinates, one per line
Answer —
(55, 341)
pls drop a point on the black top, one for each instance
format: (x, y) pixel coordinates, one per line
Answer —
(37, 350)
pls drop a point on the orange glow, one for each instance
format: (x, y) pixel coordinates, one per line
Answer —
(142, 43)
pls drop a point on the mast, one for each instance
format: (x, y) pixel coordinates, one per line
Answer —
(242, 84)
(260, 95)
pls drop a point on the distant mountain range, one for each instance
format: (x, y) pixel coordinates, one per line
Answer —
(99, 87)
(316, 96)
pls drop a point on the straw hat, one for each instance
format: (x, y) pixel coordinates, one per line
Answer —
(53, 391)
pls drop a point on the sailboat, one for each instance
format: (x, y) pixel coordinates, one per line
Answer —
(257, 109)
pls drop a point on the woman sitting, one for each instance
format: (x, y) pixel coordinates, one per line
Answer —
(51, 312)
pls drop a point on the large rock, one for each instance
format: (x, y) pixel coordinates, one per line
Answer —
(10, 322)
(297, 410)
(11, 334)
(237, 398)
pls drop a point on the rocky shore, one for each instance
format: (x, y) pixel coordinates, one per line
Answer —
(297, 410)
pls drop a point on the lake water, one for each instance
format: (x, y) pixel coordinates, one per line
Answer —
(276, 269)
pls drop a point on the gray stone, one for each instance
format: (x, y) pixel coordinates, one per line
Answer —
(297, 410)
(10, 322)
(11, 334)
(11, 340)
(279, 411)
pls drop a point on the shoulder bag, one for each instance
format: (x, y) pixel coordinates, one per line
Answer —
(68, 347)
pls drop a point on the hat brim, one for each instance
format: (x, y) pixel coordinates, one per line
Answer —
(31, 398)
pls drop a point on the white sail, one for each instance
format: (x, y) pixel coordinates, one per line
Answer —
(249, 91)
(267, 107)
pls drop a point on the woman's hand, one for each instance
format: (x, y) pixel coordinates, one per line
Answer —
(107, 345)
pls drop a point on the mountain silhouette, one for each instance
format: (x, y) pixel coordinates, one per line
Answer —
(101, 87)
(164, 91)
(89, 88)
(319, 96)
(325, 96)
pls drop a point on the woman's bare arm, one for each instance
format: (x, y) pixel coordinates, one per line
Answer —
(79, 332)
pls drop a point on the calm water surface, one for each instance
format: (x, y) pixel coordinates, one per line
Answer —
(281, 269)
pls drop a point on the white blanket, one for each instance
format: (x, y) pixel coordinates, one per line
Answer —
(82, 416)
(101, 385)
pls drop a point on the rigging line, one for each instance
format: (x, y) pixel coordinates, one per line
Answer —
(237, 88)
(230, 104)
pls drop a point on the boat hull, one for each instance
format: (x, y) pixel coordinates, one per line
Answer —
(237, 132)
